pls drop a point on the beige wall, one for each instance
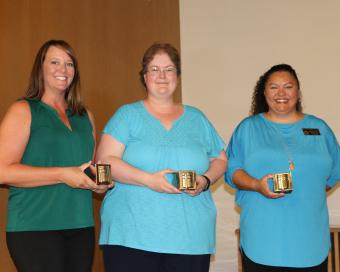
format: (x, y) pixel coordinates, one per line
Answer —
(227, 44)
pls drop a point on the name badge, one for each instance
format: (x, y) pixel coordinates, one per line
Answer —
(311, 131)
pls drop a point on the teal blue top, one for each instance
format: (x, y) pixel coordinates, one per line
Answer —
(52, 144)
(291, 231)
(140, 218)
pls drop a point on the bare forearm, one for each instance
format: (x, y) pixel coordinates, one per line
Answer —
(26, 176)
(124, 172)
(20, 175)
(244, 181)
(216, 169)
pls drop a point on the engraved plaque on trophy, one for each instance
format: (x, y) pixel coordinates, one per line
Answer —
(283, 183)
(186, 180)
(103, 176)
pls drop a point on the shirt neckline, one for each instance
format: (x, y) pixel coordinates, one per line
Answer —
(152, 117)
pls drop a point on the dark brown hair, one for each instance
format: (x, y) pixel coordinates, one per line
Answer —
(259, 103)
(155, 49)
(35, 89)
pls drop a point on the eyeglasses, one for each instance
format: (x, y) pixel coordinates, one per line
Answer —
(156, 71)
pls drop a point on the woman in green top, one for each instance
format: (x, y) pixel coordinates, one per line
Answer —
(47, 140)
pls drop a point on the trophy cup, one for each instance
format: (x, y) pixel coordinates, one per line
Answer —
(103, 176)
(283, 183)
(186, 180)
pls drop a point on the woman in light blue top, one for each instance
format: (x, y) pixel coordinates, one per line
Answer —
(282, 232)
(147, 223)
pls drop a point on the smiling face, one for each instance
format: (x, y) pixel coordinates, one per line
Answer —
(161, 77)
(282, 94)
(58, 70)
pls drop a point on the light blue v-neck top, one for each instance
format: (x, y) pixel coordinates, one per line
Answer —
(140, 218)
(293, 230)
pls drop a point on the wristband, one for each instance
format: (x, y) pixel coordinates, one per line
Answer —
(208, 183)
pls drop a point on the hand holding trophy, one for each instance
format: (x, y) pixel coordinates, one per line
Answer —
(103, 174)
(186, 180)
(283, 183)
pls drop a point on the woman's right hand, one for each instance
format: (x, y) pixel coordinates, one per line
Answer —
(262, 187)
(76, 178)
(159, 183)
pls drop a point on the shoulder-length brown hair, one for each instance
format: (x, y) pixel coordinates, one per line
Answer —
(35, 89)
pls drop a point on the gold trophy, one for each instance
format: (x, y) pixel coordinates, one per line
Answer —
(283, 183)
(186, 180)
(103, 176)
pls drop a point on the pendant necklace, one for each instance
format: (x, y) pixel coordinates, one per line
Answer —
(283, 181)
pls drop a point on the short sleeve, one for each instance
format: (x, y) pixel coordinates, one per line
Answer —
(118, 125)
(235, 154)
(334, 151)
(213, 141)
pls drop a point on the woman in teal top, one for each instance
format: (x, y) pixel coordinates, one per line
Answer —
(283, 232)
(147, 223)
(47, 141)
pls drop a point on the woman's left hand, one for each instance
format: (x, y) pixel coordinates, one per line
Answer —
(201, 184)
(101, 189)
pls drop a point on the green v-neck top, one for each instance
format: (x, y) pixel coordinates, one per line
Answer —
(52, 144)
